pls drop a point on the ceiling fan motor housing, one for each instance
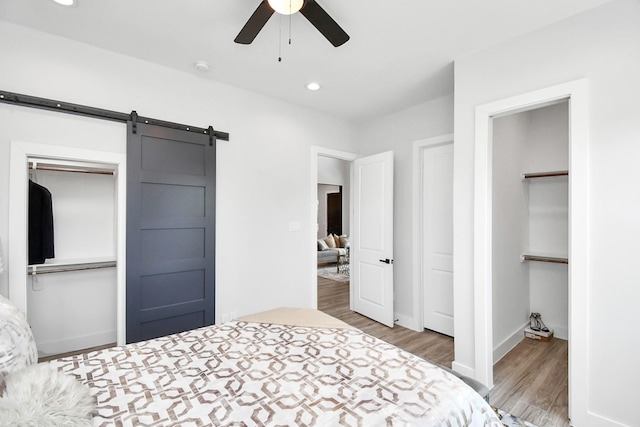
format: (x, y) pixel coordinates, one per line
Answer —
(310, 9)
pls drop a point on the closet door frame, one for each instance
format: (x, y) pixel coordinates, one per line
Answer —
(18, 209)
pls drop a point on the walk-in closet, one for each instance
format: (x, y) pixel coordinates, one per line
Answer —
(71, 295)
(530, 223)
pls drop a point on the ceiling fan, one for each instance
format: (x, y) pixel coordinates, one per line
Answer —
(310, 9)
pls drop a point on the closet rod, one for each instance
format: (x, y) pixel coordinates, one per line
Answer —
(99, 113)
(545, 259)
(544, 174)
(93, 171)
(71, 267)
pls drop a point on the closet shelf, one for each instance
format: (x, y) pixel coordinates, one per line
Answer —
(544, 174)
(71, 265)
(542, 258)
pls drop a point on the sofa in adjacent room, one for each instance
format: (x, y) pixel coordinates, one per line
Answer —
(331, 248)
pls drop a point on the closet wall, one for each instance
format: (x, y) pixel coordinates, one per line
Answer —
(529, 216)
(72, 300)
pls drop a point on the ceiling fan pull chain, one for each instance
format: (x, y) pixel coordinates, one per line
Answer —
(280, 39)
(290, 24)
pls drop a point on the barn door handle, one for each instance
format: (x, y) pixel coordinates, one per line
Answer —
(386, 261)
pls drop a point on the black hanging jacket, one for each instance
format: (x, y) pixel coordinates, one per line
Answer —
(40, 224)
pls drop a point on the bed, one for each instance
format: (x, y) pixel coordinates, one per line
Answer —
(285, 367)
(280, 368)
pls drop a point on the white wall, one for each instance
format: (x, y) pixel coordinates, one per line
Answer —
(397, 132)
(269, 151)
(602, 46)
(548, 202)
(510, 277)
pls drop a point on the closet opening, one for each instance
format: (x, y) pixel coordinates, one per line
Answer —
(72, 283)
(574, 94)
(529, 251)
(71, 288)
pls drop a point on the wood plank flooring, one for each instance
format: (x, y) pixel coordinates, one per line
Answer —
(74, 353)
(530, 381)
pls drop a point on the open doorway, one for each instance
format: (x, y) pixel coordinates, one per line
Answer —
(370, 258)
(530, 235)
(333, 222)
(574, 94)
(321, 157)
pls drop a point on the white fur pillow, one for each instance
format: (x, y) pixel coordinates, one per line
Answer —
(17, 346)
(40, 395)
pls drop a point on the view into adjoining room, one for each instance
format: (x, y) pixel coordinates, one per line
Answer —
(333, 219)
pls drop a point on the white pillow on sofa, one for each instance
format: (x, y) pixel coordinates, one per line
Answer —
(17, 345)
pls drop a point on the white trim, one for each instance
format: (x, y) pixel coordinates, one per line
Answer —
(462, 369)
(576, 93)
(417, 322)
(50, 348)
(313, 211)
(18, 184)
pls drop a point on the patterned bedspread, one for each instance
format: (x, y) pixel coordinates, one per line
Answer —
(251, 374)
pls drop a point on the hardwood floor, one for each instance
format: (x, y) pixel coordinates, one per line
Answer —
(73, 353)
(530, 381)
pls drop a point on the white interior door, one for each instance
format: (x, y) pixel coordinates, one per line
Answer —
(437, 238)
(372, 238)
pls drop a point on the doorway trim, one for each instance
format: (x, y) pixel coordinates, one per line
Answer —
(417, 323)
(313, 210)
(576, 94)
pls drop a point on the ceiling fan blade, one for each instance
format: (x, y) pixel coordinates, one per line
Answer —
(253, 26)
(324, 23)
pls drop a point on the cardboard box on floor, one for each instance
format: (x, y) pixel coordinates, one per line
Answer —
(538, 335)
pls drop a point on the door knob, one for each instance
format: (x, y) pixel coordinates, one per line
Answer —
(386, 261)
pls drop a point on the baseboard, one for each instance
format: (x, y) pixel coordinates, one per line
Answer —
(508, 343)
(561, 332)
(463, 369)
(76, 343)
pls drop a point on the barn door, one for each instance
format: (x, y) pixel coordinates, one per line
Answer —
(170, 231)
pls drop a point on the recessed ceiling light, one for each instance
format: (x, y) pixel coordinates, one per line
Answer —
(313, 86)
(67, 2)
(202, 66)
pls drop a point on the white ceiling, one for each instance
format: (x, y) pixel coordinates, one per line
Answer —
(400, 54)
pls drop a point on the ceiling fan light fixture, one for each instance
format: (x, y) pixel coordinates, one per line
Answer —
(70, 3)
(286, 7)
